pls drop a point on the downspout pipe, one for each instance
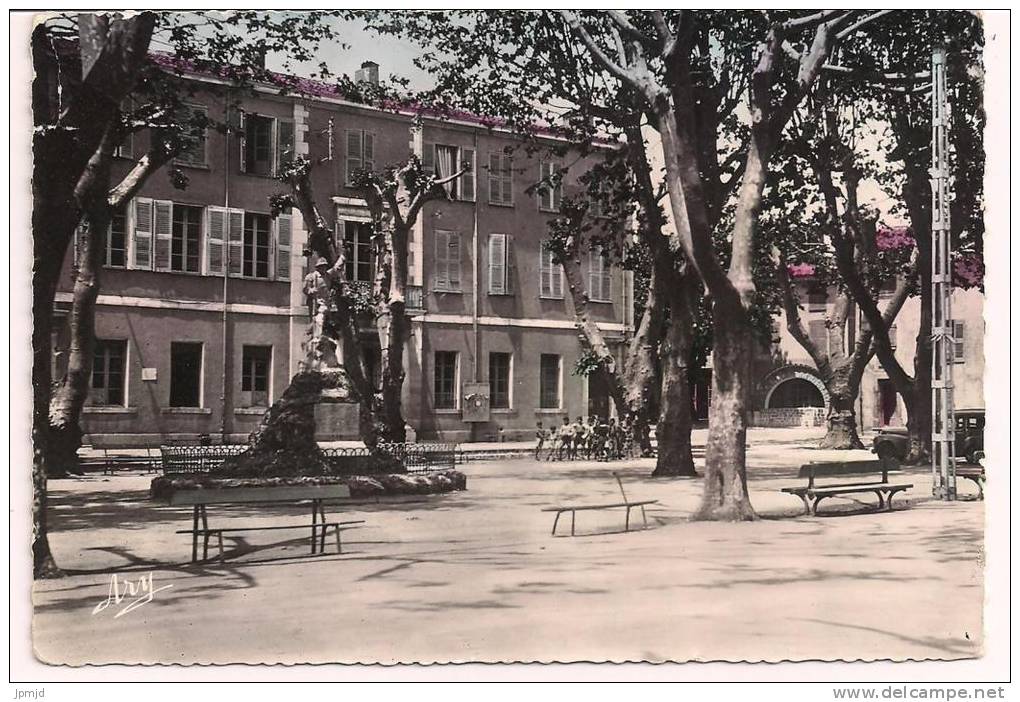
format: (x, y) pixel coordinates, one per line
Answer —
(226, 270)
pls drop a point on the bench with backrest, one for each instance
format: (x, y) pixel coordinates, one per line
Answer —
(858, 471)
(974, 473)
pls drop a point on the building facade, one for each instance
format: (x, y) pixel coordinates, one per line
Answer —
(201, 317)
(790, 393)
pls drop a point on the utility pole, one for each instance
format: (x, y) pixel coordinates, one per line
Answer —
(943, 454)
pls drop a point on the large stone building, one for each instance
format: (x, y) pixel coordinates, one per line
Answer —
(201, 317)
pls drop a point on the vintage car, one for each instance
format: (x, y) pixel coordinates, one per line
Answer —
(970, 438)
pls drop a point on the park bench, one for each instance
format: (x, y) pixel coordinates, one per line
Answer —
(107, 462)
(975, 473)
(200, 499)
(319, 531)
(626, 503)
(847, 469)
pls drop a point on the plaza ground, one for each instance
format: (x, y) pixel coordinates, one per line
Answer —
(476, 576)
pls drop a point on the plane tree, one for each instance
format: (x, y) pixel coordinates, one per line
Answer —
(96, 82)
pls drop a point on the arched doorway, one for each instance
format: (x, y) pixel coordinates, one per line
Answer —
(795, 392)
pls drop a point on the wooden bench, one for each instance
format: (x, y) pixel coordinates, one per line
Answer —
(319, 531)
(816, 493)
(626, 503)
(975, 473)
(574, 509)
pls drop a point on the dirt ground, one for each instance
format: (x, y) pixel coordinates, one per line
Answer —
(476, 576)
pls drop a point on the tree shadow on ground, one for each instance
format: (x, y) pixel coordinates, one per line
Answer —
(962, 648)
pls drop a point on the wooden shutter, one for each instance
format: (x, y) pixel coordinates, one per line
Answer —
(284, 142)
(544, 273)
(606, 272)
(441, 280)
(497, 264)
(556, 276)
(242, 132)
(163, 218)
(511, 266)
(215, 239)
(353, 141)
(283, 239)
(495, 184)
(453, 260)
(428, 158)
(143, 233)
(368, 151)
(235, 242)
(467, 181)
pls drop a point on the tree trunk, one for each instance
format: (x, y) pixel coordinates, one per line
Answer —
(919, 420)
(673, 432)
(841, 422)
(725, 496)
(642, 375)
(69, 398)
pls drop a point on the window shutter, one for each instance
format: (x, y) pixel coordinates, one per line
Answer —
(467, 181)
(143, 233)
(163, 210)
(544, 273)
(511, 265)
(235, 242)
(428, 158)
(495, 184)
(283, 237)
(353, 153)
(557, 194)
(557, 280)
(453, 260)
(284, 143)
(442, 276)
(242, 132)
(606, 271)
(368, 151)
(497, 264)
(215, 238)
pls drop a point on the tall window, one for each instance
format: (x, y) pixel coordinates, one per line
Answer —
(360, 153)
(255, 252)
(500, 179)
(255, 365)
(185, 244)
(258, 145)
(501, 264)
(600, 278)
(958, 342)
(499, 380)
(444, 161)
(193, 120)
(185, 374)
(108, 368)
(445, 380)
(549, 381)
(551, 275)
(116, 240)
(447, 268)
(550, 190)
(360, 263)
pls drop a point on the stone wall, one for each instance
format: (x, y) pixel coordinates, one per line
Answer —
(789, 417)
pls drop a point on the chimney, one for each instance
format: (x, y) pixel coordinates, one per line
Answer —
(368, 73)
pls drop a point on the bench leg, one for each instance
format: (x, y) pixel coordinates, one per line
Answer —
(219, 535)
(813, 509)
(882, 502)
(555, 522)
(626, 520)
(644, 516)
(205, 534)
(194, 534)
(315, 522)
(573, 520)
(322, 534)
(981, 488)
(339, 546)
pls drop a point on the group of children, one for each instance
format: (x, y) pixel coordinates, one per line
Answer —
(594, 438)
